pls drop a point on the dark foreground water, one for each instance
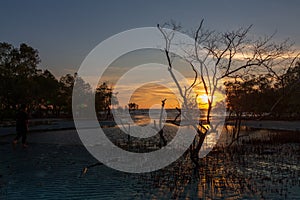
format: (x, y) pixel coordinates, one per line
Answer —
(254, 170)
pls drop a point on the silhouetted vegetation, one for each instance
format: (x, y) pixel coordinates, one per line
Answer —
(257, 72)
(104, 100)
(263, 96)
(133, 106)
(22, 82)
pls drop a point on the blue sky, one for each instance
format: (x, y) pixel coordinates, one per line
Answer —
(64, 32)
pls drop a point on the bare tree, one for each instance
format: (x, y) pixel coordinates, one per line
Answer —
(163, 141)
(216, 57)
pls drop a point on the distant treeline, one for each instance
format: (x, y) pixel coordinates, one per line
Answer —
(21, 82)
(266, 96)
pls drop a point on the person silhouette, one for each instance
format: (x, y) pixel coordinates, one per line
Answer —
(21, 126)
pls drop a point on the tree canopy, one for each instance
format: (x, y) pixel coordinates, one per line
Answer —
(22, 82)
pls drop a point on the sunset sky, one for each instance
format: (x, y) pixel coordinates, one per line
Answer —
(65, 31)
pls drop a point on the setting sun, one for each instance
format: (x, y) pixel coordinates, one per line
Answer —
(203, 99)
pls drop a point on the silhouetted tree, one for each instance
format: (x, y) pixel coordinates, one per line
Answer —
(64, 97)
(18, 66)
(44, 89)
(133, 106)
(104, 99)
(234, 55)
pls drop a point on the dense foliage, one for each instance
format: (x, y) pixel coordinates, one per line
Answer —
(21, 82)
(266, 96)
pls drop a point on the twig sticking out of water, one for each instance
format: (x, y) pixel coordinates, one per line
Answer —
(85, 169)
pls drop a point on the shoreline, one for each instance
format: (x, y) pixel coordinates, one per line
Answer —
(67, 124)
(269, 124)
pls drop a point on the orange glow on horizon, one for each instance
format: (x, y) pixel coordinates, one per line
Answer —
(150, 95)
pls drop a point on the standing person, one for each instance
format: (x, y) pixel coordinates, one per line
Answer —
(21, 126)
